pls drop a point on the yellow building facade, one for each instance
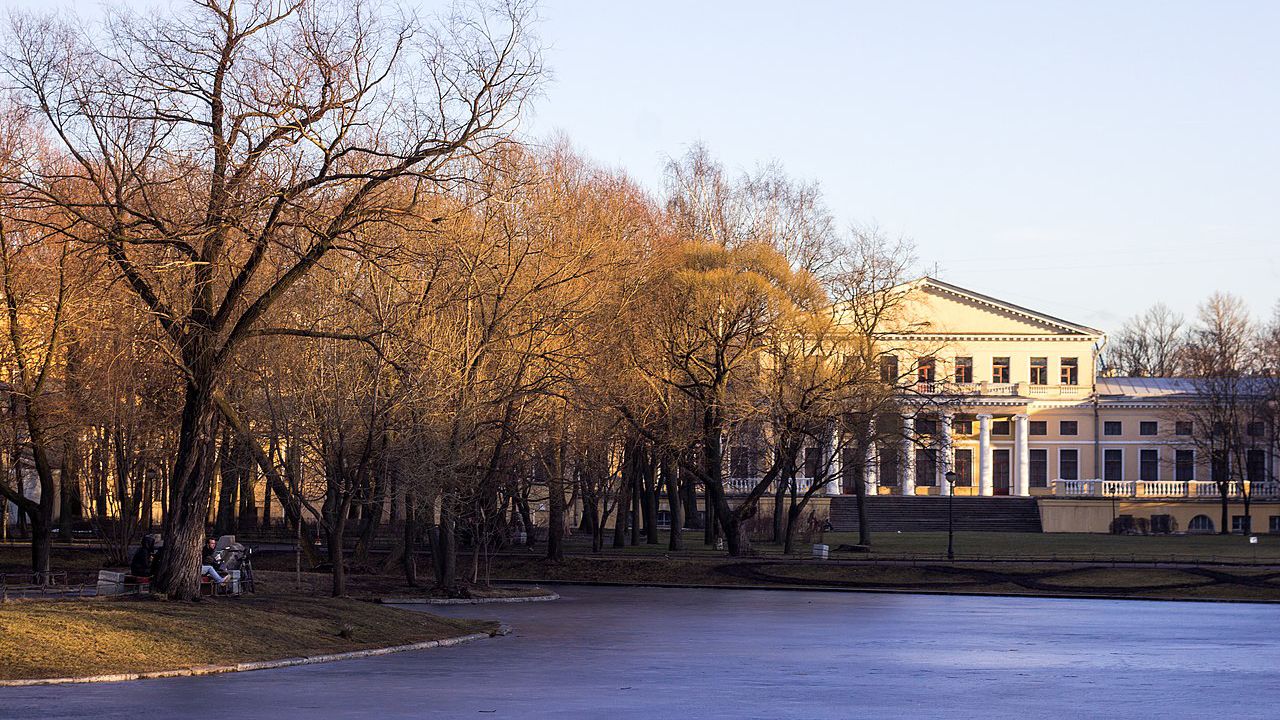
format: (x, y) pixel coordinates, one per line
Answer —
(1011, 401)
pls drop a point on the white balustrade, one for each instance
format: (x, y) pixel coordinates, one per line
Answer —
(743, 486)
(1159, 489)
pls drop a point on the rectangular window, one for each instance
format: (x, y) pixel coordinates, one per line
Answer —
(1161, 524)
(1000, 370)
(1039, 427)
(1149, 465)
(1039, 468)
(926, 426)
(888, 464)
(1148, 427)
(1256, 465)
(924, 370)
(1182, 427)
(889, 368)
(850, 465)
(1068, 427)
(964, 370)
(1000, 427)
(1240, 524)
(1273, 524)
(1040, 371)
(1219, 467)
(1112, 464)
(1254, 429)
(1184, 465)
(1069, 464)
(1111, 427)
(926, 467)
(812, 456)
(962, 427)
(964, 467)
(1070, 371)
(740, 461)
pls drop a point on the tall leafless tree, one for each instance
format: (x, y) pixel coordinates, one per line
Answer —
(217, 154)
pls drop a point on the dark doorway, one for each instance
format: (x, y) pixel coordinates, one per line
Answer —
(1000, 472)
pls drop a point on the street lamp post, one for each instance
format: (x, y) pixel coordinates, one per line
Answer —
(951, 535)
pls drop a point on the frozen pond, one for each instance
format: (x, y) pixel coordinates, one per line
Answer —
(661, 653)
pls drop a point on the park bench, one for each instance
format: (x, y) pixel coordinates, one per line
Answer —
(111, 582)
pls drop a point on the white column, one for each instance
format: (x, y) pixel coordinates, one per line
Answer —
(834, 466)
(873, 467)
(908, 463)
(944, 455)
(1021, 448)
(985, 455)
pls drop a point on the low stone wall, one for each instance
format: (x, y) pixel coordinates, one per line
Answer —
(1094, 515)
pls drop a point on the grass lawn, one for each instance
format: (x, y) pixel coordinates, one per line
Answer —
(40, 639)
(980, 577)
(1074, 546)
(1086, 547)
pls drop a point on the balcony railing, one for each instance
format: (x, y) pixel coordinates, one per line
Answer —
(742, 486)
(1160, 489)
(986, 389)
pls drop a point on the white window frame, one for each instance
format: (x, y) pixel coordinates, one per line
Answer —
(1104, 463)
(1077, 460)
(1156, 450)
(1194, 461)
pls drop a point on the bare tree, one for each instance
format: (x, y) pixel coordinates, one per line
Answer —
(216, 155)
(1151, 344)
(1221, 356)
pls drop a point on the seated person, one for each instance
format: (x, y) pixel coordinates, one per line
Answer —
(143, 557)
(211, 566)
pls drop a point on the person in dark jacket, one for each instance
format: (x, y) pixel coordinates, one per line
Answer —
(211, 566)
(143, 557)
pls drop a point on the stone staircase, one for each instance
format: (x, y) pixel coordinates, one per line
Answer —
(892, 513)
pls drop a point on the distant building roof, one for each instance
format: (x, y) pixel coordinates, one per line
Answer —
(1164, 387)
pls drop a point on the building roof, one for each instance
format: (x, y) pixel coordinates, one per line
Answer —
(1146, 387)
(1167, 387)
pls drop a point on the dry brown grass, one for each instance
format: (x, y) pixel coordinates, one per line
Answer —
(40, 639)
(987, 578)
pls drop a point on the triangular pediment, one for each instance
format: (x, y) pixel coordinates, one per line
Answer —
(931, 307)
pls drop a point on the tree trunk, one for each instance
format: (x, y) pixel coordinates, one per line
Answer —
(635, 503)
(860, 491)
(410, 538)
(247, 518)
(710, 524)
(651, 498)
(69, 498)
(1225, 528)
(336, 538)
(228, 485)
(728, 521)
(591, 517)
(526, 519)
(444, 549)
(189, 491)
(779, 494)
(555, 505)
(789, 532)
(689, 496)
(671, 479)
(620, 511)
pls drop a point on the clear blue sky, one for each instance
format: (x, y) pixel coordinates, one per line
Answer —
(1083, 158)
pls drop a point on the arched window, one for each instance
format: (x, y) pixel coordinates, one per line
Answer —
(1200, 524)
